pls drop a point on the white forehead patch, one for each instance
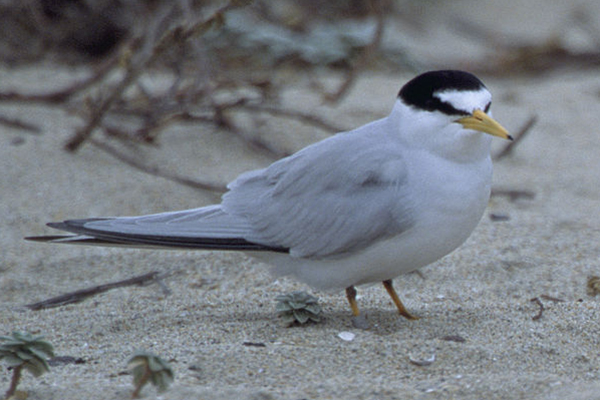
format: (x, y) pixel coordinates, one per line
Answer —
(467, 101)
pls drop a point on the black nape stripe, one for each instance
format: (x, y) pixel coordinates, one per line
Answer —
(419, 92)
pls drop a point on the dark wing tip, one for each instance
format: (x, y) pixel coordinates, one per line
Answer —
(98, 237)
(56, 225)
(74, 225)
(44, 239)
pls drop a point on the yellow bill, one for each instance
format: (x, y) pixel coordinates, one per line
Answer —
(482, 122)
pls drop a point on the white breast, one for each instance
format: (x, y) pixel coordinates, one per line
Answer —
(449, 205)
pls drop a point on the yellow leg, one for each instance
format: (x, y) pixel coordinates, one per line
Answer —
(401, 309)
(351, 295)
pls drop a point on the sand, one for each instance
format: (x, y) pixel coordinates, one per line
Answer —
(478, 321)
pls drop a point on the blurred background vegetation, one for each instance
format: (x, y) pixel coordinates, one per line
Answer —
(218, 58)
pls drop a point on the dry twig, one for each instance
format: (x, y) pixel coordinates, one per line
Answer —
(514, 56)
(144, 51)
(378, 7)
(114, 92)
(65, 94)
(297, 115)
(131, 74)
(156, 171)
(537, 301)
(18, 124)
(508, 149)
(513, 194)
(80, 295)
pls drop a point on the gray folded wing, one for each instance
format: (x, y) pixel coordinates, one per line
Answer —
(337, 196)
(201, 228)
(331, 198)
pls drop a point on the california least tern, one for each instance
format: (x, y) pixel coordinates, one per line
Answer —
(359, 207)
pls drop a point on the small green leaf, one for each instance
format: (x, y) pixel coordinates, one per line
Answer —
(154, 364)
(41, 353)
(313, 309)
(26, 350)
(162, 379)
(298, 307)
(12, 343)
(156, 369)
(24, 355)
(301, 316)
(36, 366)
(12, 361)
(138, 374)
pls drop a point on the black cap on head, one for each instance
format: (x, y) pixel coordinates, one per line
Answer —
(419, 91)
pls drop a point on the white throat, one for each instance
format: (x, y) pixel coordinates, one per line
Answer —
(437, 133)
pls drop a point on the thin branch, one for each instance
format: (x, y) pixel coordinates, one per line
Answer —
(512, 56)
(62, 95)
(148, 51)
(80, 295)
(508, 149)
(537, 301)
(378, 7)
(143, 380)
(552, 298)
(297, 115)
(132, 73)
(18, 124)
(513, 194)
(14, 381)
(257, 143)
(155, 171)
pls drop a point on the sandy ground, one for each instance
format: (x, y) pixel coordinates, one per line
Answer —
(477, 314)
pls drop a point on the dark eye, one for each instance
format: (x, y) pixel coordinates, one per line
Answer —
(487, 108)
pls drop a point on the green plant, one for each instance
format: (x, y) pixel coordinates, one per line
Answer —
(24, 351)
(298, 307)
(148, 367)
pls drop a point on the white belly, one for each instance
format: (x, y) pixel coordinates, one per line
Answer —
(448, 207)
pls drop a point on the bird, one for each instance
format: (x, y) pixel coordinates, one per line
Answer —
(359, 207)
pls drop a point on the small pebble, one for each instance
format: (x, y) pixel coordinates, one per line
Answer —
(454, 338)
(347, 336)
(422, 362)
(499, 217)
